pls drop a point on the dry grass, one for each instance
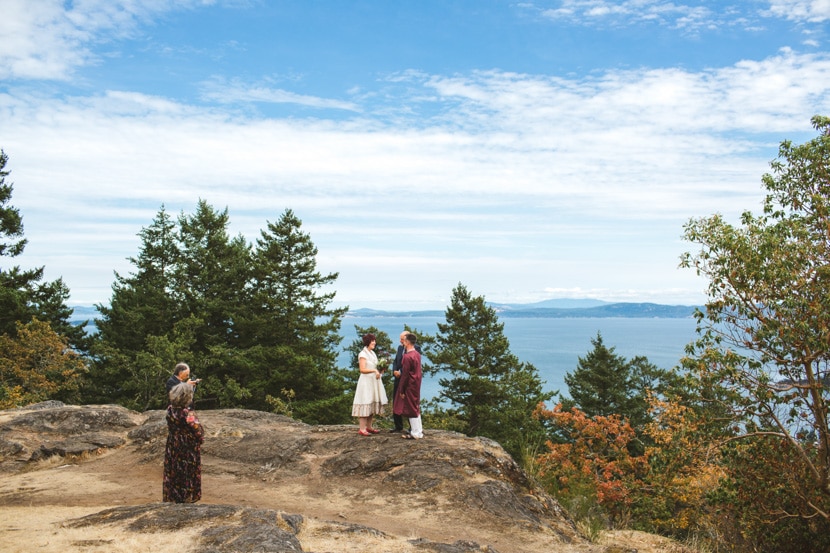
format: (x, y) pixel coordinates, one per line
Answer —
(40, 529)
(49, 484)
(64, 461)
(643, 542)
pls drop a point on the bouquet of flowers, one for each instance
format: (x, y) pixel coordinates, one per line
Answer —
(383, 361)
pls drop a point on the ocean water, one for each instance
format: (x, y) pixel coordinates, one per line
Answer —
(554, 345)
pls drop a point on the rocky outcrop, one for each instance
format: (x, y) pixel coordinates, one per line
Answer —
(445, 493)
(52, 428)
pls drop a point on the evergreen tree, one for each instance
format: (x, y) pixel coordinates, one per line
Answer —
(251, 324)
(211, 288)
(489, 390)
(605, 383)
(602, 384)
(23, 296)
(11, 222)
(291, 330)
(142, 311)
(383, 346)
(142, 304)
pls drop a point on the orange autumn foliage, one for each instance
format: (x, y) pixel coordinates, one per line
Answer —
(664, 489)
(36, 365)
(686, 467)
(594, 460)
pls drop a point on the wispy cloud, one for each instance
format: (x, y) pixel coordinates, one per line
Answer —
(685, 16)
(575, 169)
(224, 91)
(750, 96)
(49, 39)
(559, 174)
(658, 12)
(813, 11)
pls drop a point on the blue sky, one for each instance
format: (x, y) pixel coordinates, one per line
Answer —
(529, 150)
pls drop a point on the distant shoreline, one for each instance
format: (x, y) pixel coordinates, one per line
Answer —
(603, 311)
(592, 309)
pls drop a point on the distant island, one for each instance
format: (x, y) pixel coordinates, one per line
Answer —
(550, 309)
(557, 309)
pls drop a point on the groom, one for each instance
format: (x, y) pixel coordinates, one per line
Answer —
(397, 365)
(407, 401)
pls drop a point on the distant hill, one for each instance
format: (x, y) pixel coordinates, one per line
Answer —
(623, 310)
(83, 313)
(561, 303)
(556, 308)
(561, 308)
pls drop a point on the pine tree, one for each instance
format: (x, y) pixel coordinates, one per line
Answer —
(602, 382)
(211, 287)
(292, 332)
(489, 389)
(142, 311)
(251, 324)
(23, 296)
(11, 222)
(605, 383)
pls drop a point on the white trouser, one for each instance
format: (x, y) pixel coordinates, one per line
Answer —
(417, 430)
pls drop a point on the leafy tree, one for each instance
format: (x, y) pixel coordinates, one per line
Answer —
(291, 331)
(37, 364)
(22, 294)
(686, 470)
(489, 390)
(764, 334)
(764, 483)
(594, 463)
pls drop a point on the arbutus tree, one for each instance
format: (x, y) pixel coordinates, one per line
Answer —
(765, 333)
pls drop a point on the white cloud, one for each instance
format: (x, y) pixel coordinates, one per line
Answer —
(563, 177)
(600, 12)
(813, 11)
(754, 96)
(224, 91)
(49, 39)
(683, 16)
(482, 177)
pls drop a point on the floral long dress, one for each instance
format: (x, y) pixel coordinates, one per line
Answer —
(183, 457)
